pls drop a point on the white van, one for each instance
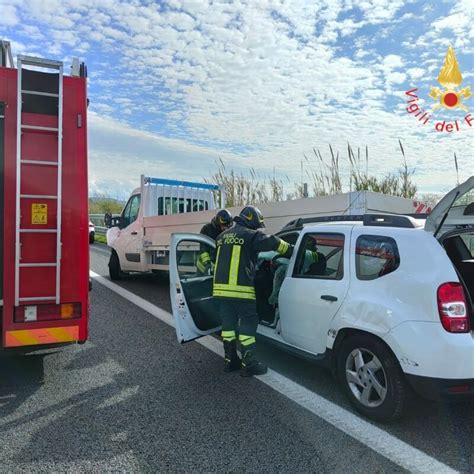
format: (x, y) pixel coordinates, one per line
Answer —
(140, 238)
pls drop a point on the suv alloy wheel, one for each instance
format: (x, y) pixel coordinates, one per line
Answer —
(371, 377)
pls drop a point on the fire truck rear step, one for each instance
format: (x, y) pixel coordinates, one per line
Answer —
(39, 162)
(31, 265)
(37, 128)
(44, 94)
(38, 298)
(38, 196)
(38, 231)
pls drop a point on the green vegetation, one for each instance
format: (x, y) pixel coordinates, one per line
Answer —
(399, 183)
(101, 205)
(241, 190)
(101, 239)
(319, 176)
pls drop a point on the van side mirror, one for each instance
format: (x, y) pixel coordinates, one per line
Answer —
(116, 221)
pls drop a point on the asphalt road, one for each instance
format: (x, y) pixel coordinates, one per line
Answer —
(132, 399)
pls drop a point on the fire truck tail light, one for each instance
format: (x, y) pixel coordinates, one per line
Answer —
(47, 312)
(67, 311)
(452, 308)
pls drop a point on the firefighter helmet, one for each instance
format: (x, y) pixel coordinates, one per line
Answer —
(223, 219)
(252, 217)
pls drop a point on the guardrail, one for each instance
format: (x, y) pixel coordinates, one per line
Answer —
(99, 230)
(98, 221)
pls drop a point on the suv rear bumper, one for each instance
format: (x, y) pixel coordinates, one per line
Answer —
(441, 389)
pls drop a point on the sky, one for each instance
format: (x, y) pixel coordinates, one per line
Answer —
(175, 86)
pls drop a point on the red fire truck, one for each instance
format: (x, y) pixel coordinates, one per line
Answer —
(44, 254)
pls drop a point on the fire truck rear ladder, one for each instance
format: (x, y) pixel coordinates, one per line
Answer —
(20, 163)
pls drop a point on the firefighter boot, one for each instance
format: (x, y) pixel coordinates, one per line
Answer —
(231, 359)
(250, 364)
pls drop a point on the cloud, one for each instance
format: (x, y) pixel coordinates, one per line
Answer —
(379, 11)
(259, 84)
(119, 154)
(456, 28)
(416, 73)
(8, 16)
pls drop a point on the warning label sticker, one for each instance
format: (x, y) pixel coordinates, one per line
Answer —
(39, 213)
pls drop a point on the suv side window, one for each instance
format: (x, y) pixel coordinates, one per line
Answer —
(376, 256)
(320, 255)
(130, 213)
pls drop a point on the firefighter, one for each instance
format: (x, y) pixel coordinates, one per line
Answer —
(237, 251)
(220, 222)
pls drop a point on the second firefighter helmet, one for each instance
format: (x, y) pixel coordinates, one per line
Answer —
(253, 217)
(222, 220)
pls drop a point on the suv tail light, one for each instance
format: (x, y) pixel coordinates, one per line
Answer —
(452, 308)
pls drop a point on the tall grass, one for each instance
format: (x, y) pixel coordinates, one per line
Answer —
(323, 176)
(243, 189)
(399, 183)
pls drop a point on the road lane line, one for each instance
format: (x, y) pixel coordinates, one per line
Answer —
(375, 438)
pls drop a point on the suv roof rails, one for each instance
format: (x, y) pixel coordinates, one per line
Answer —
(376, 220)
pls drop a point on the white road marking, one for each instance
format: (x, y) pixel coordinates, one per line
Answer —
(389, 446)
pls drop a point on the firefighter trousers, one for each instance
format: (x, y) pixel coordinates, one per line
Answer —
(233, 312)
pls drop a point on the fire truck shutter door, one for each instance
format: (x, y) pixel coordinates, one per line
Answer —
(2, 160)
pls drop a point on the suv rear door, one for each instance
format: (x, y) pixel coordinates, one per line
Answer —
(459, 206)
(195, 311)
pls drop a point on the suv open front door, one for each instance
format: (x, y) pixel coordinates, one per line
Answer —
(195, 311)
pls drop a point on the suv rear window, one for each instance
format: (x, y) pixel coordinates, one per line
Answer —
(376, 256)
(468, 240)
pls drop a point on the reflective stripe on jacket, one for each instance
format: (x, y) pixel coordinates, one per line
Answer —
(237, 251)
(206, 257)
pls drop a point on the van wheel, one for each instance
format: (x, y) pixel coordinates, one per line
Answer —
(372, 378)
(115, 271)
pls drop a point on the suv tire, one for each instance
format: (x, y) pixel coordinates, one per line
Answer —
(115, 271)
(372, 378)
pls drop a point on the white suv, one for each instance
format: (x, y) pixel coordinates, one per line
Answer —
(388, 306)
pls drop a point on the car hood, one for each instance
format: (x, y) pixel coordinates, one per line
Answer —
(460, 213)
